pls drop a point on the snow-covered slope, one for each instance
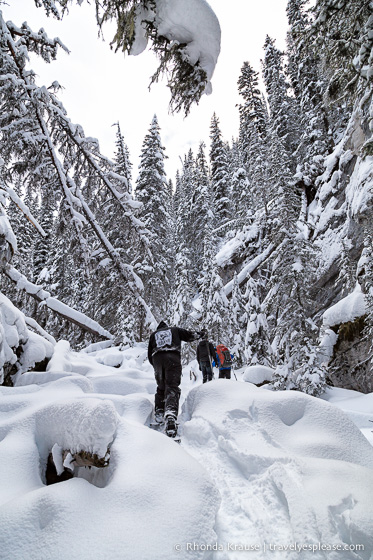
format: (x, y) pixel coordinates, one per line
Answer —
(254, 468)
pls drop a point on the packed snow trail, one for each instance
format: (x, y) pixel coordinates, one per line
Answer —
(254, 469)
(289, 469)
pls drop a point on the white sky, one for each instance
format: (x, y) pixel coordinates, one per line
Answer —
(103, 87)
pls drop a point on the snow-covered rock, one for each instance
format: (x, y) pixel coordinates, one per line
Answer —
(257, 374)
(346, 310)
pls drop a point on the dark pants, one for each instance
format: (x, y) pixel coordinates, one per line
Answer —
(167, 369)
(206, 371)
(225, 373)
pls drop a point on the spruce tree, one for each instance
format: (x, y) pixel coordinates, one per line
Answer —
(282, 108)
(253, 134)
(152, 191)
(123, 165)
(237, 323)
(257, 346)
(219, 175)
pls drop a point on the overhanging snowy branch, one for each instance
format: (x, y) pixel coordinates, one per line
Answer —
(184, 35)
(64, 311)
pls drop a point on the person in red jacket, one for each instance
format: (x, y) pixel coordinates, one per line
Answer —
(224, 361)
(164, 353)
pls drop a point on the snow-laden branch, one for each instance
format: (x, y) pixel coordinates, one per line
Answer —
(30, 322)
(185, 35)
(63, 310)
(249, 268)
(24, 209)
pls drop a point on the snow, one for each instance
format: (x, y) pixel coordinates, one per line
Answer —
(14, 335)
(257, 374)
(346, 310)
(254, 468)
(193, 23)
(7, 232)
(236, 244)
(360, 187)
(55, 305)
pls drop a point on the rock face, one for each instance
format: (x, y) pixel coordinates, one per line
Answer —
(350, 366)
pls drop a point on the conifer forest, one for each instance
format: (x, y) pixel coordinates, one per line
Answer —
(264, 240)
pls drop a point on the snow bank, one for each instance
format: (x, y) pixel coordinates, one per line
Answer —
(345, 310)
(19, 346)
(358, 406)
(290, 468)
(192, 23)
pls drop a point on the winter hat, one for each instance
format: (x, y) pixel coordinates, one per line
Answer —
(162, 325)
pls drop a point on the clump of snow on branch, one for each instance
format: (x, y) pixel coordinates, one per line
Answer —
(192, 23)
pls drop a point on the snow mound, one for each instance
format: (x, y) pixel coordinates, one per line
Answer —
(290, 468)
(257, 374)
(345, 310)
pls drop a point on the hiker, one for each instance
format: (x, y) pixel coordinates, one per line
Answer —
(164, 354)
(205, 355)
(223, 360)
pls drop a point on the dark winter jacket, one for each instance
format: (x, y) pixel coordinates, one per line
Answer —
(205, 351)
(166, 339)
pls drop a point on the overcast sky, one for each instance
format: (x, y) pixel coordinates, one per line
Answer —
(103, 87)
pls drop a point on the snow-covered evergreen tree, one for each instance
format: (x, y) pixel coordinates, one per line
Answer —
(152, 191)
(307, 81)
(241, 196)
(256, 343)
(41, 147)
(219, 174)
(253, 134)
(282, 108)
(237, 323)
(123, 165)
(202, 208)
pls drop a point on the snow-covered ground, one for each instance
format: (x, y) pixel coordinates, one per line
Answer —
(258, 474)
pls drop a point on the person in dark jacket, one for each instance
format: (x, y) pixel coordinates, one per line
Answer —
(164, 353)
(205, 355)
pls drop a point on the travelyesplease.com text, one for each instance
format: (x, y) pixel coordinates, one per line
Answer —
(267, 547)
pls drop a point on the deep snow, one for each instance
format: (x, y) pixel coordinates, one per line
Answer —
(254, 469)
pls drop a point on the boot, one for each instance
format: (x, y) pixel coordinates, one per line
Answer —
(171, 426)
(159, 416)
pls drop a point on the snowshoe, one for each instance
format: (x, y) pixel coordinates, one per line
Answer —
(171, 427)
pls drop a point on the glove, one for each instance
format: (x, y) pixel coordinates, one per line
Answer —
(213, 363)
(201, 334)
